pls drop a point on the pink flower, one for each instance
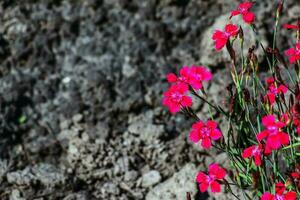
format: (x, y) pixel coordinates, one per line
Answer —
(274, 90)
(243, 9)
(280, 194)
(205, 132)
(221, 37)
(273, 134)
(215, 174)
(175, 97)
(193, 76)
(255, 152)
(293, 53)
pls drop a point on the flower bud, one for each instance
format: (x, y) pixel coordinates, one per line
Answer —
(279, 9)
(241, 33)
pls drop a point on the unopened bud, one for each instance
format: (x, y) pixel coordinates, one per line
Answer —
(241, 33)
(279, 9)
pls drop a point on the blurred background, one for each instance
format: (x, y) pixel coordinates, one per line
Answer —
(81, 88)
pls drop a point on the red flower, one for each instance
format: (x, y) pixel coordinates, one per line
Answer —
(205, 132)
(193, 76)
(293, 26)
(279, 194)
(175, 97)
(273, 134)
(254, 151)
(215, 173)
(243, 9)
(293, 53)
(274, 90)
(221, 37)
(296, 176)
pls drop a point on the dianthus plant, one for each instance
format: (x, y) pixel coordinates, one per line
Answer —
(261, 130)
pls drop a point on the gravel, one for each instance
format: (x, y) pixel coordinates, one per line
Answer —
(80, 95)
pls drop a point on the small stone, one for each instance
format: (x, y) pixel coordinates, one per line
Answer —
(110, 188)
(130, 175)
(3, 169)
(151, 178)
(65, 124)
(127, 69)
(77, 196)
(66, 80)
(77, 118)
(177, 186)
(46, 174)
(16, 195)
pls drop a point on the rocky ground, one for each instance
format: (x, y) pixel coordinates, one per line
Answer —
(81, 88)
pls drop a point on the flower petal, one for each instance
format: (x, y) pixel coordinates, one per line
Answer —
(234, 13)
(216, 171)
(231, 29)
(206, 143)
(279, 188)
(215, 134)
(215, 187)
(194, 136)
(248, 152)
(171, 77)
(219, 44)
(290, 195)
(262, 135)
(203, 187)
(268, 120)
(187, 101)
(290, 26)
(248, 17)
(245, 5)
(267, 196)
(201, 177)
(257, 160)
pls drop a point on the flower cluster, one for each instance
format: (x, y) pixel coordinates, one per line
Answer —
(193, 76)
(280, 194)
(263, 120)
(176, 96)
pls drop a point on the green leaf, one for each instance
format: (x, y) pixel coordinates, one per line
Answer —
(291, 145)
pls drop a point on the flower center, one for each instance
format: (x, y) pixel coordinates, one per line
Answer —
(177, 97)
(272, 129)
(278, 197)
(210, 178)
(273, 89)
(256, 151)
(243, 10)
(183, 79)
(226, 34)
(205, 131)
